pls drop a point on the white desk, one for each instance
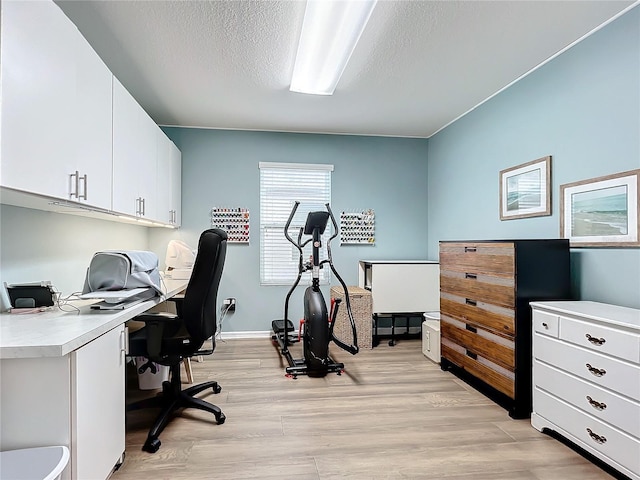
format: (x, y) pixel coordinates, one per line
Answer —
(401, 286)
(62, 378)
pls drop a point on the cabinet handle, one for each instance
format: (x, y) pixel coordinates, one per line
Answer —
(594, 340)
(138, 206)
(144, 206)
(468, 301)
(545, 325)
(124, 340)
(595, 437)
(84, 182)
(471, 276)
(74, 193)
(598, 372)
(470, 249)
(595, 404)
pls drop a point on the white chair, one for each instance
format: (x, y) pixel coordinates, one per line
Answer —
(40, 463)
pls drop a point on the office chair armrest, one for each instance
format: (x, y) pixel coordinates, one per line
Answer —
(155, 324)
(178, 300)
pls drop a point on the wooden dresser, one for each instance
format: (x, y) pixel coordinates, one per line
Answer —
(485, 290)
(586, 374)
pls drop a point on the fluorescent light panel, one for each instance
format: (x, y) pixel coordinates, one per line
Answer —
(330, 31)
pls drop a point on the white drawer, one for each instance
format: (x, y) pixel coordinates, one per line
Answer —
(613, 443)
(598, 402)
(599, 338)
(616, 375)
(545, 323)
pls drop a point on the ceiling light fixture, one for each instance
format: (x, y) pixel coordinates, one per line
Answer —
(330, 31)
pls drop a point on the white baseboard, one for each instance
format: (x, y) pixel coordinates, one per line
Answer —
(250, 334)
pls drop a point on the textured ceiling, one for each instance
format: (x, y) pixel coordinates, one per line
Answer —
(419, 65)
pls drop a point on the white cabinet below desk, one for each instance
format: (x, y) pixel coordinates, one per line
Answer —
(586, 378)
(77, 400)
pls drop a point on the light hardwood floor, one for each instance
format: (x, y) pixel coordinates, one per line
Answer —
(392, 414)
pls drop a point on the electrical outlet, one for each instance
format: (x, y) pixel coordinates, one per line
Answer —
(229, 304)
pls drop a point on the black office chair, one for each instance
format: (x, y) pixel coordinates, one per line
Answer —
(167, 339)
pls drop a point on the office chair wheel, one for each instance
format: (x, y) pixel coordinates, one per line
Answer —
(151, 446)
(217, 389)
(221, 419)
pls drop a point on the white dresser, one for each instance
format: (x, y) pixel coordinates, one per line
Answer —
(586, 378)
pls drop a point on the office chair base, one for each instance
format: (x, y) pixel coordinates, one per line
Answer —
(172, 399)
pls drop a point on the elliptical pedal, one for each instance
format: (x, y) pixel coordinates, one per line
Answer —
(278, 326)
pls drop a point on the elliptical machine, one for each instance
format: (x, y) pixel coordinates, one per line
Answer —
(318, 321)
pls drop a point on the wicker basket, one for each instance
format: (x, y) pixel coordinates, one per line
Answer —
(361, 307)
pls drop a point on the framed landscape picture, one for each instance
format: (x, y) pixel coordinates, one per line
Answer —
(525, 190)
(601, 212)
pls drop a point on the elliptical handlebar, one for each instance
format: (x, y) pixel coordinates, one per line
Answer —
(333, 220)
(288, 224)
(352, 349)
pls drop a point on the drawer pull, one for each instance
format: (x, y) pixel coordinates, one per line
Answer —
(468, 301)
(471, 276)
(595, 437)
(470, 249)
(595, 404)
(598, 372)
(594, 340)
(545, 325)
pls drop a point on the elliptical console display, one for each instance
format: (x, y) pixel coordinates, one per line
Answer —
(318, 321)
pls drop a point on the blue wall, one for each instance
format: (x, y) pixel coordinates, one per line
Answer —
(583, 109)
(220, 168)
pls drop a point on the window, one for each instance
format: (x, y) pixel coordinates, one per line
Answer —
(281, 185)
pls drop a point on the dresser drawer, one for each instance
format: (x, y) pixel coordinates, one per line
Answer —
(545, 323)
(611, 442)
(477, 342)
(479, 258)
(598, 402)
(599, 338)
(494, 375)
(478, 287)
(498, 319)
(607, 372)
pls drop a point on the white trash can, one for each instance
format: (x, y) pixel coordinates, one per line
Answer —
(40, 463)
(149, 380)
(431, 336)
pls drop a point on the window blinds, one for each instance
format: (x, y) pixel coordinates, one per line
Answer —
(281, 185)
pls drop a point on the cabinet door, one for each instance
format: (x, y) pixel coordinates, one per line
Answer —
(147, 167)
(92, 136)
(169, 181)
(134, 156)
(38, 97)
(98, 405)
(176, 184)
(127, 150)
(164, 179)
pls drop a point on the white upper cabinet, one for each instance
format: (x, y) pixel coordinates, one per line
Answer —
(134, 157)
(176, 184)
(56, 107)
(38, 96)
(93, 128)
(70, 130)
(169, 180)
